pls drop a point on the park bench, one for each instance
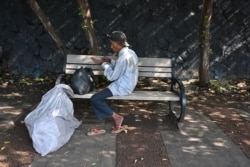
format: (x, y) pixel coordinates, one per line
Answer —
(149, 68)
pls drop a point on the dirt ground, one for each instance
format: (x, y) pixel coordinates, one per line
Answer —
(224, 108)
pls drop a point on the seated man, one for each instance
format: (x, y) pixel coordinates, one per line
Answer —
(123, 73)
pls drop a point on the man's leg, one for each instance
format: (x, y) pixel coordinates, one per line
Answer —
(101, 108)
(99, 105)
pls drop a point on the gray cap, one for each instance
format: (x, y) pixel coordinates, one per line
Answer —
(118, 36)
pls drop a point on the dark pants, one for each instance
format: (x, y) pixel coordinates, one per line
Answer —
(99, 105)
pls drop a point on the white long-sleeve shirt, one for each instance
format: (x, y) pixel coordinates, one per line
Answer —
(123, 72)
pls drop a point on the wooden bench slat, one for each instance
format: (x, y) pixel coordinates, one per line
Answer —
(142, 61)
(141, 74)
(156, 67)
(71, 71)
(154, 74)
(83, 59)
(140, 95)
(141, 68)
(75, 66)
(159, 62)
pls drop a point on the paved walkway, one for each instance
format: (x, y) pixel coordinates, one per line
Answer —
(82, 151)
(200, 144)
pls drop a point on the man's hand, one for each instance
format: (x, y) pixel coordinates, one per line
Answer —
(96, 61)
(103, 59)
(106, 59)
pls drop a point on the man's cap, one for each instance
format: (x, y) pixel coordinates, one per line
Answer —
(118, 36)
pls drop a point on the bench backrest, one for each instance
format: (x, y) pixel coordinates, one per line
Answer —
(148, 67)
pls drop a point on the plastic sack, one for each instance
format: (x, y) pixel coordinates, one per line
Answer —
(52, 122)
(82, 81)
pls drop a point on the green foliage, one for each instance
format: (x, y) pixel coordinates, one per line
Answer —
(3, 77)
(27, 81)
(84, 26)
(206, 18)
(80, 12)
(220, 86)
(94, 21)
(99, 53)
(24, 81)
(102, 82)
(210, 51)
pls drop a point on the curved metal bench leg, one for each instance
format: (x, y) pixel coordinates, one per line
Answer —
(181, 116)
(60, 79)
(170, 105)
(171, 115)
(183, 102)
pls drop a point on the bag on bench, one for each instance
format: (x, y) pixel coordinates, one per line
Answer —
(82, 81)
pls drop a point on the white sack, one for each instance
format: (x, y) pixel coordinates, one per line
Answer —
(52, 123)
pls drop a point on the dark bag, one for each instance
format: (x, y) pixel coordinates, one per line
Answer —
(82, 81)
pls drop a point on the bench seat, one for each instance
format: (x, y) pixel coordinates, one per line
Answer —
(139, 95)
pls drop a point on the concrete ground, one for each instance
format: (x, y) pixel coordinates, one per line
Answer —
(200, 143)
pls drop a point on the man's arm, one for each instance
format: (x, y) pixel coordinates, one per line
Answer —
(113, 73)
(102, 60)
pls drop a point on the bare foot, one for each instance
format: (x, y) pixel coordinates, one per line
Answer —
(118, 119)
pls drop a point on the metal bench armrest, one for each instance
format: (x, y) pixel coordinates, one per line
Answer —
(177, 83)
(60, 79)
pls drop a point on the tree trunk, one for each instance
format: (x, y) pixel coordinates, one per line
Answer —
(204, 37)
(47, 24)
(87, 25)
